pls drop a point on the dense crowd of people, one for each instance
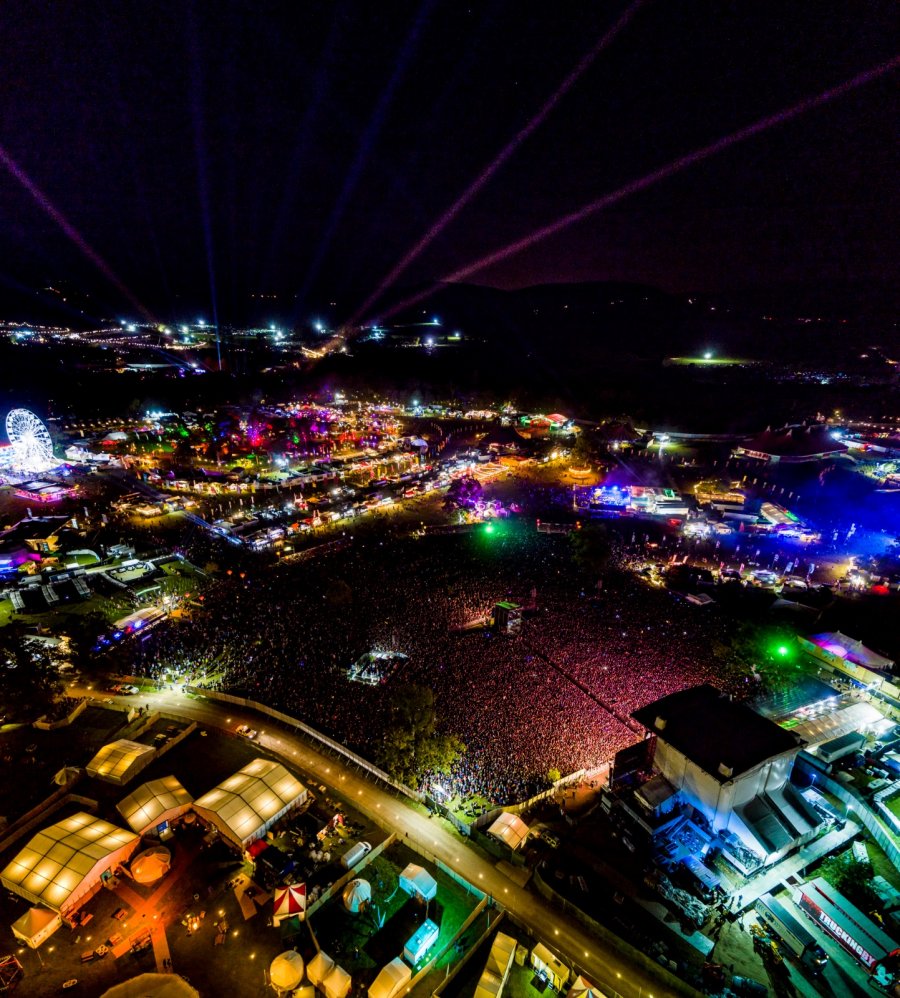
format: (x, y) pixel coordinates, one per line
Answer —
(554, 696)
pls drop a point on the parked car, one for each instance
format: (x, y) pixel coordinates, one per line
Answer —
(354, 854)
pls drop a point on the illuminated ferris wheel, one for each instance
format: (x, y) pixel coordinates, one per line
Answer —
(30, 443)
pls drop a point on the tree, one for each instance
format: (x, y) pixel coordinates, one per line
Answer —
(853, 878)
(463, 493)
(412, 746)
(29, 681)
(592, 549)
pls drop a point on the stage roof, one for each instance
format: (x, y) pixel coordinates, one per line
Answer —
(56, 861)
(795, 441)
(147, 805)
(712, 731)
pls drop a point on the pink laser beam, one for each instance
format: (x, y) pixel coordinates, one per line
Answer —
(74, 235)
(488, 172)
(661, 173)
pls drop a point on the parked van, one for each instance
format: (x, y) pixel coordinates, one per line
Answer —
(354, 854)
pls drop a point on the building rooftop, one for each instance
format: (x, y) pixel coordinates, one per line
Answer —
(723, 737)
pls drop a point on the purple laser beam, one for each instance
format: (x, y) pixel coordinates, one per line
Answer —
(661, 173)
(74, 235)
(488, 172)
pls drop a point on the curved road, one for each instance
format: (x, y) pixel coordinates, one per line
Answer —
(599, 961)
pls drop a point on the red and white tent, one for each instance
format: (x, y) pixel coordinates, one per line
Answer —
(289, 901)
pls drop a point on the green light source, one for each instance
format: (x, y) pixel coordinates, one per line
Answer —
(782, 650)
(489, 528)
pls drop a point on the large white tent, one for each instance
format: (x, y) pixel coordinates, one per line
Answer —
(120, 761)
(62, 866)
(417, 881)
(391, 979)
(509, 828)
(153, 986)
(36, 926)
(154, 804)
(245, 806)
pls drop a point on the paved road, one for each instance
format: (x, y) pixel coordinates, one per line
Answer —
(600, 962)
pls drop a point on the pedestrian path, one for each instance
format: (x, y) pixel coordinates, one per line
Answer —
(161, 950)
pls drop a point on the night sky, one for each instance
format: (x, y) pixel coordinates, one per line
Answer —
(209, 151)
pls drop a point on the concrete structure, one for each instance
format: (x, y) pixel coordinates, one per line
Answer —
(733, 766)
(245, 806)
(64, 865)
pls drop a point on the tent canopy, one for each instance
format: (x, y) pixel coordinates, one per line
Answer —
(289, 901)
(36, 925)
(118, 761)
(584, 989)
(245, 805)
(319, 968)
(66, 857)
(286, 970)
(337, 984)
(510, 829)
(150, 865)
(153, 986)
(154, 802)
(417, 880)
(391, 979)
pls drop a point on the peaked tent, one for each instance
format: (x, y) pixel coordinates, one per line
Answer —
(288, 902)
(417, 881)
(319, 968)
(36, 926)
(62, 866)
(584, 989)
(509, 829)
(245, 806)
(153, 986)
(391, 979)
(120, 761)
(337, 984)
(286, 970)
(154, 803)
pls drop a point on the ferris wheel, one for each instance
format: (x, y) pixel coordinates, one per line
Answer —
(29, 441)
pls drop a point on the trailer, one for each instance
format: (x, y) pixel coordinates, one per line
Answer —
(793, 936)
(844, 922)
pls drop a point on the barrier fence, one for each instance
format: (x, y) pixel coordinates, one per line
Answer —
(324, 740)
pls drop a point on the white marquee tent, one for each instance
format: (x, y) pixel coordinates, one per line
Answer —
(337, 984)
(120, 761)
(391, 979)
(153, 804)
(245, 806)
(61, 866)
(510, 829)
(416, 880)
(153, 986)
(357, 894)
(319, 968)
(36, 926)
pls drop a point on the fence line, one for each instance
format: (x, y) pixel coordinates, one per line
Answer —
(351, 874)
(293, 722)
(870, 820)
